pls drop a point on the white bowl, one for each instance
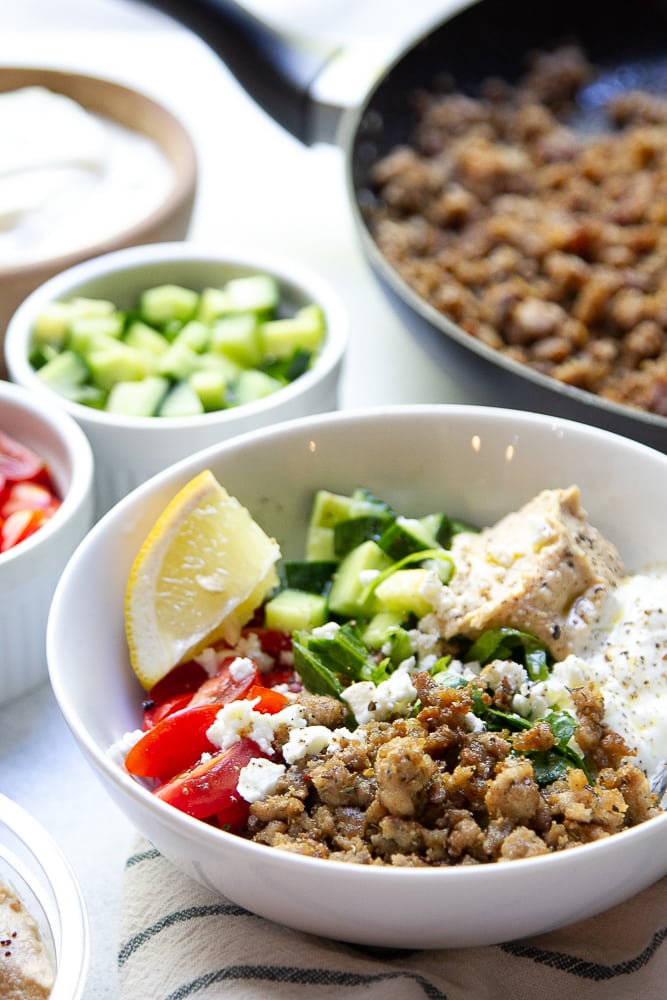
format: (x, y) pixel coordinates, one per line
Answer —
(30, 571)
(473, 462)
(129, 450)
(33, 866)
(130, 109)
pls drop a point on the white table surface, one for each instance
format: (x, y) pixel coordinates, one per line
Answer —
(257, 185)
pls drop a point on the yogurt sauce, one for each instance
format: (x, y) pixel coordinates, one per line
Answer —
(69, 177)
(625, 654)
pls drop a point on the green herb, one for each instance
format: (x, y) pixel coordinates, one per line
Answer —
(512, 644)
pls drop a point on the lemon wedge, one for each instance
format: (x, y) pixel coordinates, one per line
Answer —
(203, 569)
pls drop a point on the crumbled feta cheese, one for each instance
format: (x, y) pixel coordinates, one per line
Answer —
(209, 660)
(119, 750)
(497, 671)
(306, 742)
(395, 696)
(292, 716)
(238, 719)
(259, 778)
(343, 735)
(326, 631)
(241, 668)
(473, 723)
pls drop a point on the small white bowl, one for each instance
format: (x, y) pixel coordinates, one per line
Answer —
(30, 571)
(475, 463)
(132, 110)
(34, 868)
(128, 450)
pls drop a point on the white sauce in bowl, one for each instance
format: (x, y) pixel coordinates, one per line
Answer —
(69, 177)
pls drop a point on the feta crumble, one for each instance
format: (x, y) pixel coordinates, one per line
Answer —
(259, 778)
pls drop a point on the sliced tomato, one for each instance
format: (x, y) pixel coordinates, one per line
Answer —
(224, 686)
(29, 496)
(209, 788)
(156, 713)
(19, 526)
(17, 461)
(269, 701)
(174, 744)
(234, 816)
(182, 678)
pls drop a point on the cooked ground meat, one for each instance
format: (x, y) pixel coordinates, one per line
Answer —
(545, 243)
(429, 791)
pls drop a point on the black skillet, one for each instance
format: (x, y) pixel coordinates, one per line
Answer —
(490, 37)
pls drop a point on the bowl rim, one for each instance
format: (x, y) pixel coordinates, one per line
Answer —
(190, 828)
(79, 453)
(169, 253)
(72, 933)
(181, 191)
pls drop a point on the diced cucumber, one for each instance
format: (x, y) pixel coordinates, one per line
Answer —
(210, 384)
(292, 610)
(303, 331)
(352, 532)
(194, 334)
(237, 338)
(320, 544)
(213, 302)
(181, 401)
(252, 385)
(86, 395)
(256, 293)
(117, 363)
(379, 627)
(178, 362)
(146, 339)
(443, 528)
(401, 592)
(88, 335)
(350, 586)
(137, 399)
(405, 536)
(163, 303)
(315, 576)
(208, 361)
(64, 370)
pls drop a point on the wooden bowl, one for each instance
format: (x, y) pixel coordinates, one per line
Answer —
(170, 220)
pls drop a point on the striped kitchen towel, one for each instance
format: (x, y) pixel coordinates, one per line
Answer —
(179, 941)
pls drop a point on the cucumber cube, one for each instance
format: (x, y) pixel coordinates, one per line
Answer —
(181, 401)
(401, 592)
(213, 302)
(164, 303)
(194, 334)
(252, 385)
(256, 293)
(146, 339)
(303, 331)
(294, 610)
(211, 388)
(64, 370)
(178, 362)
(237, 338)
(349, 590)
(137, 399)
(117, 363)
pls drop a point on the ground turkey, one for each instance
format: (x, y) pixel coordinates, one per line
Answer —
(428, 791)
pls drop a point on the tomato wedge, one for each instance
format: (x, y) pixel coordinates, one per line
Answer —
(269, 701)
(19, 526)
(224, 686)
(155, 713)
(184, 677)
(209, 788)
(174, 744)
(29, 496)
(17, 461)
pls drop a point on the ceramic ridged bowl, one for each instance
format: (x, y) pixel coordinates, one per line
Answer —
(33, 867)
(30, 570)
(130, 449)
(168, 220)
(475, 463)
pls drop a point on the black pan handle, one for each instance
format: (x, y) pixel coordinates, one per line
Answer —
(276, 69)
